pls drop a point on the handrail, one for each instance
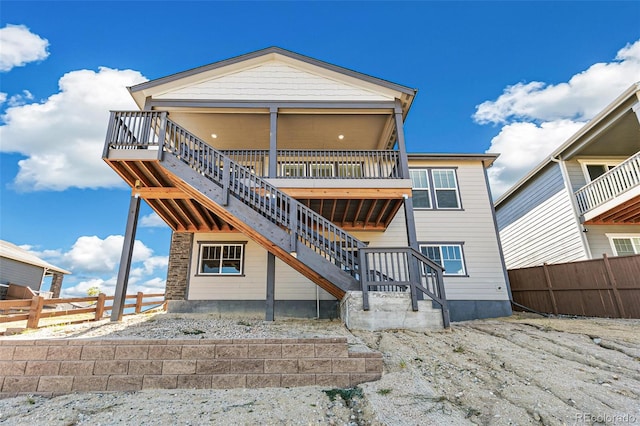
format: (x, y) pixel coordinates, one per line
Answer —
(409, 269)
(398, 267)
(303, 224)
(606, 187)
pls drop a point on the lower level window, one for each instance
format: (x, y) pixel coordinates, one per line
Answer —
(449, 256)
(624, 245)
(221, 259)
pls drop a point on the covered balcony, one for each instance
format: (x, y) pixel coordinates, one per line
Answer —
(613, 197)
(358, 189)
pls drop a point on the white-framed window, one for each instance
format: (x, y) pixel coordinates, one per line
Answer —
(420, 188)
(447, 255)
(294, 170)
(321, 170)
(350, 170)
(221, 259)
(624, 244)
(445, 186)
(435, 188)
(593, 168)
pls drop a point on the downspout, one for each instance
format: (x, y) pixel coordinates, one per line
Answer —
(574, 207)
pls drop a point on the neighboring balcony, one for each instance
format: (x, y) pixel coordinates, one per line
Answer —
(614, 197)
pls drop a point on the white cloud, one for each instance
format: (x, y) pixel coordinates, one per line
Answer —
(20, 46)
(94, 263)
(152, 220)
(3, 97)
(63, 136)
(537, 117)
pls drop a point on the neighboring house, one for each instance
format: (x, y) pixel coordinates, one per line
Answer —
(288, 187)
(19, 267)
(583, 201)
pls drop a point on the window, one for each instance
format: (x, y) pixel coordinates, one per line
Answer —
(446, 189)
(435, 188)
(321, 170)
(420, 184)
(449, 256)
(625, 245)
(593, 169)
(221, 259)
(294, 170)
(350, 170)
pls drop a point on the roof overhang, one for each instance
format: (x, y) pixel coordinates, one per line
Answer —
(486, 159)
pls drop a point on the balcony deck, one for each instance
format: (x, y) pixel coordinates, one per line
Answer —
(614, 197)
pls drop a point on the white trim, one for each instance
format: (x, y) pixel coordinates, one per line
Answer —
(608, 161)
(611, 237)
(456, 188)
(222, 246)
(287, 164)
(440, 246)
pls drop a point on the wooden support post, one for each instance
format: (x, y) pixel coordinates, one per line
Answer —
(402, 149)
(412, 239)
(363, 259)
(35, 311)
(226, 179)
(125, 260)
(271, 287)
(547, 278)
(139, 297)
(162, 134)
(293, 226)
(614, 287)
(100, 306)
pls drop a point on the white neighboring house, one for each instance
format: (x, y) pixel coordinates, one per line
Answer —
(19, 267)
(583, 201)
(287, 185)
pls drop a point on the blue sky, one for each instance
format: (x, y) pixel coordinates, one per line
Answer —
(511, 77)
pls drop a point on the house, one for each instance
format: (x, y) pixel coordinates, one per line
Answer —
(20, 268)
(583, 200)
(289, 191)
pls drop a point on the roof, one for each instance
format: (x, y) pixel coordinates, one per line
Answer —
(572, 144)
(136, 91)
(13, 252)
(486, 159)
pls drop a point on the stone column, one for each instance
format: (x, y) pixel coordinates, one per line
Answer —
(179, 266)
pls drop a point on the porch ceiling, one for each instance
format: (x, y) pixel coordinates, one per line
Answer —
(249, 129)
(181, 213)
(621, 139)
(627, 213)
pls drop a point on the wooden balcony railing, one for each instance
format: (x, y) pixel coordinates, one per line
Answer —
(616, 181)
(318, 164)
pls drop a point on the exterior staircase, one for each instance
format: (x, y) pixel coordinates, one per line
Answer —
(312, 245)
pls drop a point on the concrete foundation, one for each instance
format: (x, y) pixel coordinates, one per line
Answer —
(388, 311)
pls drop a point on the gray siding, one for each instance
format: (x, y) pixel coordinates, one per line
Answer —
(598, 241)
(20, 273)
(576, 175)
(547, 183)
(537, 224)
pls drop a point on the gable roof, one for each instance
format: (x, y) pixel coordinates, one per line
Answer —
(631, 97)
(13, 252)
(214, 70)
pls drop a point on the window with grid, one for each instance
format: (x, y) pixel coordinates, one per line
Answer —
(221, 259)
(445, 187)
(294, 170)
(321, 170)
(625, 246)
(420, 188)
(350, 170)
(449, 256)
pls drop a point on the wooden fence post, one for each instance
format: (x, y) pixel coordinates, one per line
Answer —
(614, 286)
(547, 278)
(139, 297)
(100, 306)
(34, 312)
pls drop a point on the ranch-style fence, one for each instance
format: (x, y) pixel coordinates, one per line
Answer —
(38, 307)
(607, 287)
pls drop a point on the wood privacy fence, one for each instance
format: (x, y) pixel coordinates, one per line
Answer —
(607, 287)
(38, 307)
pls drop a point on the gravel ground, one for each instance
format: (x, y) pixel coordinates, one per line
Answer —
(521, 370)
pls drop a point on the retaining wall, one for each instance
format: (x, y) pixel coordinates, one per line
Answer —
(53, 367)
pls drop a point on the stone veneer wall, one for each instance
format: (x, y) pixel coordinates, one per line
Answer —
(178, 268)
(53, 367)
(56, 285)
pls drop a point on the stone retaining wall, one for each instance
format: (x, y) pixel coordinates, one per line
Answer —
(52, 367)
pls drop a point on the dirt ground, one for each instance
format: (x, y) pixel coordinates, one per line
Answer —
(520, 370)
